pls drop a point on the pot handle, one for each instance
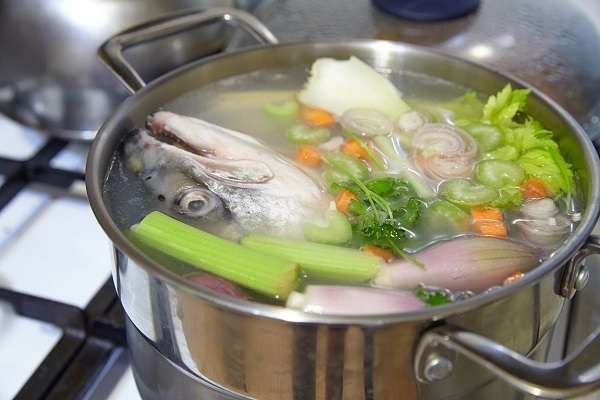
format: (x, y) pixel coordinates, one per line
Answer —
(577, 374)
(111, 52)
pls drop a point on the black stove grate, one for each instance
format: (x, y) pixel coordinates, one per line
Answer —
(90, 336)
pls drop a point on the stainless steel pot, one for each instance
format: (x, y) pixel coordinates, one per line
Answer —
(239, 349)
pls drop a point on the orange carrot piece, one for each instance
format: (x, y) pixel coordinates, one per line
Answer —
(353, 148)
(535, 188)
(490, 228)
(343, 200)
(486, 214)
(386, 254)
(308, 155)
(316, 117)
(488, 221)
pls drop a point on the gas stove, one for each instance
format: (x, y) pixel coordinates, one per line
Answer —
(61, 325)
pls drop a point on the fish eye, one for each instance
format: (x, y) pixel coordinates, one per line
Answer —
(196, 202)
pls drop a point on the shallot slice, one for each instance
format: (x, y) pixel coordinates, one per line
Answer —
(464, 263)
(542, 224)
(366, 122)
(353, 300)
(442, 152)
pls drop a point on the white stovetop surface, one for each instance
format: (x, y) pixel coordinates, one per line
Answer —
(50, 247)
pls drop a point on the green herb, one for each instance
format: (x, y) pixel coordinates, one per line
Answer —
(549, 166)
(501, 108)
(433, 298)
(272, 276)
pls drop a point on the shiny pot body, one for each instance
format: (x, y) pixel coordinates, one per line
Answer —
(250, 350)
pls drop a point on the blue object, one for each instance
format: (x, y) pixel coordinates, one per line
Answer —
(428, 10)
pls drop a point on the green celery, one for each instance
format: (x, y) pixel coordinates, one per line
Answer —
(319, 261)
(271, 276)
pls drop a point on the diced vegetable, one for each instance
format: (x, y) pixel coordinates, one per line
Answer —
(549, 166)
(539, 209)
(353, 148)
(409, 122)
(339, 85)
(534, 188)
(301, 134)
(487, 136)
(282, 109)
(332, 179)
(272, 276)
(386, 254)
(337, 231)
(347, 164)
(488, 221)
(457, 111)
(308, 155)
(319, 261)
(444, 217)
(343, 200)
(506, 153)
(333, 144)
(508, 197)
(366, 122)
(316, 117)
(466, 193)
(499, 174)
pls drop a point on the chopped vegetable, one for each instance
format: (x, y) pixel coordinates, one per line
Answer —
(282, 109)
(502, 108)
(499, 174)
(366, 122)
(386, 254)
(463, 263)
(332, 179)
(444, 217)
(529, 135)
(508, 197)
(268, 275)
(301, 134)
(539, 209)
(409, 122)
(348, 165)
(308, 155)
(337, 231)
(534, 188)
(316, 117)
(457, 111)
(432, 297)
(488, 221)
(506, 153)
(353, 148)
(348, 300)
(319, 261)
(333, 144)
(343, 200)
(487, 136)
(339, 85)
(549, 166)
(465, 193)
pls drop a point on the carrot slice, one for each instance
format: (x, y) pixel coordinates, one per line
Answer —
(308, 155)
(343, 200)
(386, 254)
(353, 148)
(490, 228)
(488, 221)
(535, 188)
(316, 117)
(486, 213)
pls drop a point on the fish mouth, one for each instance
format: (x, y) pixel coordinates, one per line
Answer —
(237, 172)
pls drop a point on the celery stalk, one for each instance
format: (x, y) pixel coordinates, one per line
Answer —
(319, 261)
(271, 276)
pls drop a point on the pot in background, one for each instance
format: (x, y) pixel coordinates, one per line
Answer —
(187, 342)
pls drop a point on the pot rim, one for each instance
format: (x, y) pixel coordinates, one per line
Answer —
(95, 178)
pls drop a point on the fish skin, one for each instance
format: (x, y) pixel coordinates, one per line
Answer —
(263, 191)
(464, 263)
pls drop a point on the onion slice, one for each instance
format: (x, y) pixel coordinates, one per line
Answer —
(443, 152)
(366, 122)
